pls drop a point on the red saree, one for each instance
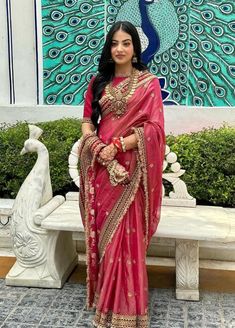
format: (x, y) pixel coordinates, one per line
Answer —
(120, 220)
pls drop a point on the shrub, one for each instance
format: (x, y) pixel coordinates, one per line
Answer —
(207, 156)
(58, 137)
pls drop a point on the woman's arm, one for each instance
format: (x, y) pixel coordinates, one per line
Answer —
(130, 141)
(87, 128)
(109, 152)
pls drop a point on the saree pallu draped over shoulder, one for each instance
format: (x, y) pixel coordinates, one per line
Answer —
(120, 220)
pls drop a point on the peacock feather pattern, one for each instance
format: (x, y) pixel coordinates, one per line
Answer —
(194, 59)
(212, 61)
(73, 36)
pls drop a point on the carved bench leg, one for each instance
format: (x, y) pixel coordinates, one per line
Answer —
(61, 257)
(187, 269)
(58, 261)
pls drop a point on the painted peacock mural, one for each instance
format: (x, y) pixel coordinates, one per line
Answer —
(188, 44)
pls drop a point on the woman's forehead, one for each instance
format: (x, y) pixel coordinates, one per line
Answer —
(121, 36)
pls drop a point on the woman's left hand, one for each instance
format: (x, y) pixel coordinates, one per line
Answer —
(108, 153)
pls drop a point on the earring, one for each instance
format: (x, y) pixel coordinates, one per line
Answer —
(134, 59)
(110, 60)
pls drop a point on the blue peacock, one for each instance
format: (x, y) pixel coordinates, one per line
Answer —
(188, 44)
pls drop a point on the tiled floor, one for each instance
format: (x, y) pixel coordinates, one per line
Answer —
(49, 308)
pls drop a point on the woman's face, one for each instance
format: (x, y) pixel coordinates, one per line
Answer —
(122, 49)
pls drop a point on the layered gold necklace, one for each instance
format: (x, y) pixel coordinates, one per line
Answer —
(119, 96)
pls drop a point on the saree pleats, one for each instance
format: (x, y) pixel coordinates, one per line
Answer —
(120, 221)
(122, 283)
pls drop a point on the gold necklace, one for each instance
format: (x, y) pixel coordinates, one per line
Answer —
(119, 97)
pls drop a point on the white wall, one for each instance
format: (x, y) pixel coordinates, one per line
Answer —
(4, 74)
(24, 51)
(178, 119)
(21, 27)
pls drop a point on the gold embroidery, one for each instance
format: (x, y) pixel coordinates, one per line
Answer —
(87, 159)
(148, 77)
(96, 298)
(139, 132)
(113, 320)
(118, 211)
(106, 103)
(119, 97)
(122, 85)
(116, 176)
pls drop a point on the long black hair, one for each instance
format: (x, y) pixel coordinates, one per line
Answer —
(106, 65)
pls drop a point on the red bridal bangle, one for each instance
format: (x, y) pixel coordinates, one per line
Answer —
(117, 144)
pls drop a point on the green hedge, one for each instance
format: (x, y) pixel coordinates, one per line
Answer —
(207, 156)
(58, 137)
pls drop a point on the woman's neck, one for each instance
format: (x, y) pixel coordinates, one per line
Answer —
(123, 71)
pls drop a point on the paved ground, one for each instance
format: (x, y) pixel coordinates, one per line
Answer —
(49, 308)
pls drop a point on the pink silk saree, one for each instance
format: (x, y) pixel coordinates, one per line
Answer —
(120, 220)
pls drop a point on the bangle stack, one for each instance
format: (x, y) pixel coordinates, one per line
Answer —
(119, 144)
(95, 144)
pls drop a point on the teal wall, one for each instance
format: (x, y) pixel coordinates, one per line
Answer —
(195, 61)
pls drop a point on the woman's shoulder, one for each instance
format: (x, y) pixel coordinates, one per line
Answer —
(93, 79)
(145, 76)
(90, 83)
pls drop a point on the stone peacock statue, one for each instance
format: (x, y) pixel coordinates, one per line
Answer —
(35, 263)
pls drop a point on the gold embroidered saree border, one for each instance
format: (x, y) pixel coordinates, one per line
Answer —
(139, 132)
(113, 320)
(85, 164)
(118, 211)
(145, 80)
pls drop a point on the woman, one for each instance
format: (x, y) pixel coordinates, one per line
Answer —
(120, 175)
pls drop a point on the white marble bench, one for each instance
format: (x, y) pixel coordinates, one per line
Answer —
(44, 229)
(187, 226)
(5, 212)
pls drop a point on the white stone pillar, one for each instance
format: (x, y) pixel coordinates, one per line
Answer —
(187, 269)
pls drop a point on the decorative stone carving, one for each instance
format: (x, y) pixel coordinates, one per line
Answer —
(73, 163)
(178, 197)
(4, 220)
(5, 213)
(187, 269)
(38, 252)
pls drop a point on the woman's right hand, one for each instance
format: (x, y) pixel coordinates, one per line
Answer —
(108, 153)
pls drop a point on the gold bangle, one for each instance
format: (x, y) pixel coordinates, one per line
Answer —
(123, 144)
